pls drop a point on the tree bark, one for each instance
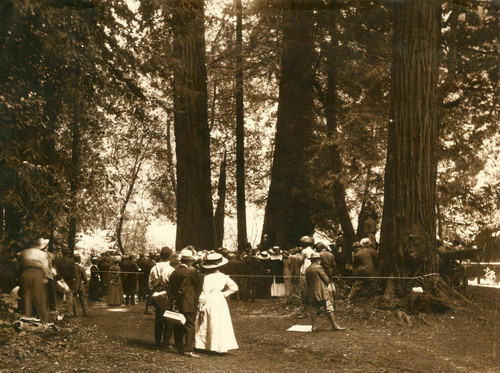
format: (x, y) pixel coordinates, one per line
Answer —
(241, 214)
(337, 166)
(192, 135)
(74, 182)
(409, 224)
(288, 215)
(121, 220)
(219, 211)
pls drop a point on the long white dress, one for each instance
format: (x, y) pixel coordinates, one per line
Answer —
(214, 329)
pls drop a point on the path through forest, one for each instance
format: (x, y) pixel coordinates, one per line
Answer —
(120, 339)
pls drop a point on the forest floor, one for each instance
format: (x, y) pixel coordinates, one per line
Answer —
(120, 339)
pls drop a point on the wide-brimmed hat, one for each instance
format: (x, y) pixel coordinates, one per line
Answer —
(264, 255)
(214, 260)
(275, 250)
(366, 241)
(187, 254)
(41, 243)
(307, 240)
(356, 244)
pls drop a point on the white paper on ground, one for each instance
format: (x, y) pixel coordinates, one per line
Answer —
(300, 328)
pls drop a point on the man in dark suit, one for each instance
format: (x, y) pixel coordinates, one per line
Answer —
(319, 297)
(65, 267)
(185, 289)
(79, 292)
(327, 258)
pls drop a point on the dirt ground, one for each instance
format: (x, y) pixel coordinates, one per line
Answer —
(120, 339)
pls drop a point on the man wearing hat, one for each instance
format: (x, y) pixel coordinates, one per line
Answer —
(35, 262)
(327, 258)
(252, 268)
(364, 259)
(159, 279)
(319, 296)
(185, 289)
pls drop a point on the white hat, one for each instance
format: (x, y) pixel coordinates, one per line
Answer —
(187, 254)
(41, 243)
(264, 255)
(214, 260)
(365, 241)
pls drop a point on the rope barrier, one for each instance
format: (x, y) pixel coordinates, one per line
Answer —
(298, 276)
(346, 277)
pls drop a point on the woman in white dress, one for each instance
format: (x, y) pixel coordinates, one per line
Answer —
(214, 329)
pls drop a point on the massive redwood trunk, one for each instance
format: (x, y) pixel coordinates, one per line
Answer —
(408, 224)
(192, 135)
(288, 215)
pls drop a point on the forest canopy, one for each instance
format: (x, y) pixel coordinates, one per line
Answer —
(117, 115)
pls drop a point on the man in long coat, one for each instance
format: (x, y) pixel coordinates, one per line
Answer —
(327, 259)
(185, 289)
(364, 260)
(319, 297)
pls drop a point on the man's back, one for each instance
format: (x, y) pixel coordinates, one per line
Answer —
(185, 288)
(327, 262)
(363, 261)
(317, 282)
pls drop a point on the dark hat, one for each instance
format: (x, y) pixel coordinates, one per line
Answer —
(356, 244)
(315, 256)
(166, 253)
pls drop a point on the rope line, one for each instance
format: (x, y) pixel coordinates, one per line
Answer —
(298, 276)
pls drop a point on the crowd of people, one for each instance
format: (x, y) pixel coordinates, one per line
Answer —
(192, 283)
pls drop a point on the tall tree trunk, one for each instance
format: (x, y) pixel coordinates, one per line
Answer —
(121, 220)
(219, 211)
(288, 215)
(336, 163)
(192, 135)
(241, 213)
(74, 175)
(409, 225)
(362, 215)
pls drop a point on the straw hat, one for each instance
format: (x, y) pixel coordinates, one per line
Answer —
(264, 255)
(366, 242)
(214, 260)
(187, 254)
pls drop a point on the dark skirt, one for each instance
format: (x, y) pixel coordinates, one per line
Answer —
(115, 297)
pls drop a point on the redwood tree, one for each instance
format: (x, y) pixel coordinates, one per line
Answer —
(288, 215)
(192, 135)
(408, 224)
(241, 214)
